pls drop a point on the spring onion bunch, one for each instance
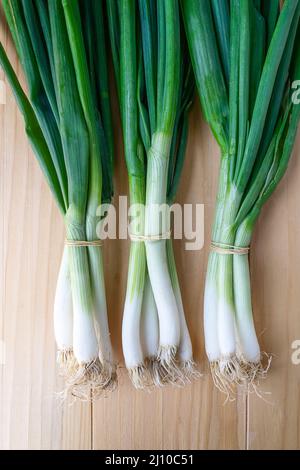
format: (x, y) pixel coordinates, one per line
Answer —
(245, 56)
(60, 44)
(155, 87)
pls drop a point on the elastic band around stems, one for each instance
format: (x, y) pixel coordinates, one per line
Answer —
(150, 238)
(224, 249)
(83, 243)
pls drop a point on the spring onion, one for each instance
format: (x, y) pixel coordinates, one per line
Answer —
(68, 122)
(155, 87)
(254, 120)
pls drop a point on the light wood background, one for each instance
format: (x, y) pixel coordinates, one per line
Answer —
(31, 243)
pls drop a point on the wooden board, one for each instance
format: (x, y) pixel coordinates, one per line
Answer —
(275, 422)
(32, 234)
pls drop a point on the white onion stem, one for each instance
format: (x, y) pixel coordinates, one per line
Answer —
(100, 308)
(247, 339)
(185, 352)
(131, 338)
(226, 313)
(248, 344)
(211, 310)
(149, 323)
(85, 344)
(63, 308)
(169, 323)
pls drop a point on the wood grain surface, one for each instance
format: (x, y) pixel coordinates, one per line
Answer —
(31, 243)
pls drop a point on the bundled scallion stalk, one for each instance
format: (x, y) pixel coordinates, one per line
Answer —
(155, 88)
(61, 46)
(245, 55)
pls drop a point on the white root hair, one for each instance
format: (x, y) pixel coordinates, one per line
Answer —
(190, 371)
(67, 362)
(139, 376)
(232, 372)
(90, 381)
